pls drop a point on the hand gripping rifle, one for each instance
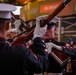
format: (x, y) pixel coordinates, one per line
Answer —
(29, 35)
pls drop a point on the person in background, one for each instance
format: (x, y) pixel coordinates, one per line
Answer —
(49, 37)
(71, 52)
(50, 34)
(53, 68)
(17, 59)
(66, 47)
(71, 42)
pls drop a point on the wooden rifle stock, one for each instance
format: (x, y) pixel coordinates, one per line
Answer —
(59, 57)
(28, 35)
(43, 23)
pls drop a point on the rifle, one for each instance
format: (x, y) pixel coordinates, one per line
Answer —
(29, 35)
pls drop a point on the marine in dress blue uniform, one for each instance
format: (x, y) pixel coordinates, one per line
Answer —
(54, 67)
(17, 59)
(39, 45)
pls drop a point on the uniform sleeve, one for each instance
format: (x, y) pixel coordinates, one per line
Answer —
(38, 47)
(70, 52)
(58, 43)
(36, 62)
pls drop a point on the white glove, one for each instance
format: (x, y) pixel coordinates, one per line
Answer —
(51, 45)
(39, 31)
(17, 23)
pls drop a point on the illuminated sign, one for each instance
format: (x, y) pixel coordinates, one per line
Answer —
(48, 7)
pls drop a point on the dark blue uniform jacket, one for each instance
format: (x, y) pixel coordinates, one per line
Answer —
(54, 66)
(18, 60)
